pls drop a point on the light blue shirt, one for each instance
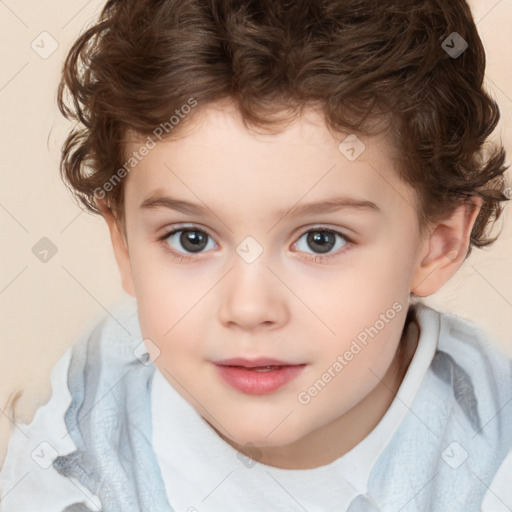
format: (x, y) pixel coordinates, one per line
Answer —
(438, 448)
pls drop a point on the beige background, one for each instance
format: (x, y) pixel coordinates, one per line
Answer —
(44, 307)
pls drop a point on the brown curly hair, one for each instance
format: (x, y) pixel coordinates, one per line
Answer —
(372, 68)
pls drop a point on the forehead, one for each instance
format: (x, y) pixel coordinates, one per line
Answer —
(217, 161)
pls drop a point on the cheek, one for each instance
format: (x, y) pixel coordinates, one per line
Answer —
(171, 303)
(351, 370)
(169, 317)
(364, 330)
(363, 284)
(160, 278)
(363, 305)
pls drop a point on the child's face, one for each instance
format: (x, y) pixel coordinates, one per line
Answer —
(229, 301)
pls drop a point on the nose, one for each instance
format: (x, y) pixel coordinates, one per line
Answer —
(252, 297)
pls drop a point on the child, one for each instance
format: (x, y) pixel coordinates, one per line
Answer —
(261, 372)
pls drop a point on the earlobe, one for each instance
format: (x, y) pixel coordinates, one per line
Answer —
(446, 249)
(120, 247)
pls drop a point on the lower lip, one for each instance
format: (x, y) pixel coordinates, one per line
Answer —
(258, 382)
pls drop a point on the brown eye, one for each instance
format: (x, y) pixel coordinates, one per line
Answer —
(321, 241)
(193, 241)
(190, 240)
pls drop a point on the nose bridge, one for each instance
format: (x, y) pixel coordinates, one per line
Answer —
(251, 294)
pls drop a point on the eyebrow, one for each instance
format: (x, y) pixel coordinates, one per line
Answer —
(325, 206)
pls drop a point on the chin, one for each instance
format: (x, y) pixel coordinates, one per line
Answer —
(264, 435)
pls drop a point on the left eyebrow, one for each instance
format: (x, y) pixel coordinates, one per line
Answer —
(325, 206)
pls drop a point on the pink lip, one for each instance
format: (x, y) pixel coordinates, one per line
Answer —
(238, 373)
(251, 363)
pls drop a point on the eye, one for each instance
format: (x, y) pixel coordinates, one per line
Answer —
(192, 240)
(321, 241)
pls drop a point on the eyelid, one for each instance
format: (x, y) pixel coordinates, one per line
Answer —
(325, 227)
(184, 226)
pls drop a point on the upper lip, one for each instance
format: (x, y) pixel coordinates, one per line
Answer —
(253, 363)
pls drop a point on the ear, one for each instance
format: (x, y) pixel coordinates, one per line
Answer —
(446, 249)
(120, 246)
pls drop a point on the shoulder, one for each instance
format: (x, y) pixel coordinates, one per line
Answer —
(478, 376)
(470, 347)
(477, 371)
(458, 427)
(499, 496)
(469, 379)
(27, 473)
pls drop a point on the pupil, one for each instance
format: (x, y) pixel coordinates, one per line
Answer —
(192, 240)
(323, 239)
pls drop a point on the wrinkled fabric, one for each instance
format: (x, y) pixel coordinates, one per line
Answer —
(109, 420)
(458, 432)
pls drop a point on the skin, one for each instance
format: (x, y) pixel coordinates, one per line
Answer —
(284, 304)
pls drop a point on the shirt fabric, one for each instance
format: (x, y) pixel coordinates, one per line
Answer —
(126, 439)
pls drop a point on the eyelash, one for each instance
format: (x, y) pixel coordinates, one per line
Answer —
(316, 258)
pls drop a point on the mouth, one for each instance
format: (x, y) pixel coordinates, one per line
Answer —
(258, 376)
